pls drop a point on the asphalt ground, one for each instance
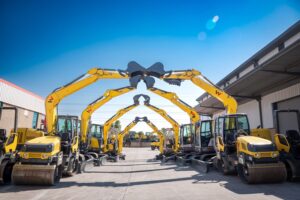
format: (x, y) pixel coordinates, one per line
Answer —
(140, 177)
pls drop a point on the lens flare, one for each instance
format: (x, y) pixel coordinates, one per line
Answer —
(215, 19)
(211, 24)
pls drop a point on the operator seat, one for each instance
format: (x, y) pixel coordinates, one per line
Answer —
(66, 140)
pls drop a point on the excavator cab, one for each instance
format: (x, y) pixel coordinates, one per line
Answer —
(2, 141)
(187, 135)
(96, 137)
(204, 137)
(67, 130)
(228, 128)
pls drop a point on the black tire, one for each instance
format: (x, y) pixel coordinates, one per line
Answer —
(242, 173)
(152, 148)
(58, 174)
(117, 158)
(221, 166)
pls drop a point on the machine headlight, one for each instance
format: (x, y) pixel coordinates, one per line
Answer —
(257, 155)
(274, 154)
(25, 155)
(250, 158)
(44, 156)
(50, 147)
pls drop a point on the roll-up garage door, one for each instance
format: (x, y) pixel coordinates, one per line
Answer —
(288, 115)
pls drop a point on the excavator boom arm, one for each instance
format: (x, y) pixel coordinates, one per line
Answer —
(167, 117)
(57, 95)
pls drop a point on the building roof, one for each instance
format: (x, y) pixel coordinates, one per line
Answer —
(20, 97)
(274, 67)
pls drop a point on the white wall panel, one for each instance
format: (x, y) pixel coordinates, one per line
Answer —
(14, 95)
(252, 110)
(280, 95)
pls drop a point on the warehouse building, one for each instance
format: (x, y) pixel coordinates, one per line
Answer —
(266, 86)
(30, 107)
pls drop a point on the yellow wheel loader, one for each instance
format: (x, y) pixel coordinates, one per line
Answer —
(43, 160)
(13, 144)
(254, 159)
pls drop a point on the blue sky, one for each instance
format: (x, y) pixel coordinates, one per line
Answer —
(45, 44)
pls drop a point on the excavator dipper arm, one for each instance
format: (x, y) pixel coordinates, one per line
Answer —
(175, 100)
(114, 118)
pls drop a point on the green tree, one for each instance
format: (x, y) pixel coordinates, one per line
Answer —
(118, 125)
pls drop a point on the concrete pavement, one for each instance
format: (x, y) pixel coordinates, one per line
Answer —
(141, 177)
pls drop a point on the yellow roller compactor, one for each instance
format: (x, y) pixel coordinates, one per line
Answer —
(13, 144)
(255, 159)
(43, 160)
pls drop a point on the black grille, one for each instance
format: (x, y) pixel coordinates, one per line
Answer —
(265, 160)
(37, 148)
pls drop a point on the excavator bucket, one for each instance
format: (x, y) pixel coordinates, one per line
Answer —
(263, 173)
(34, 174)
(138, 73)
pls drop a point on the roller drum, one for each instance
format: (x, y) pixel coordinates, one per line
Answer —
(34, 174)
(264, 173)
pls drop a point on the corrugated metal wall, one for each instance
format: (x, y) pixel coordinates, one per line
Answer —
(12, 94)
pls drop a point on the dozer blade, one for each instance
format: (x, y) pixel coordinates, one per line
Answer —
(33, 174)
(200, 165)
(265, 173)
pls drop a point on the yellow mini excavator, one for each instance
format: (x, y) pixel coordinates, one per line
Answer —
(132, 124)
(13, 144)
(91, 144)
(197, 145)
(163, 113)
(110, 147)
(155, 144)
(43, 160)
